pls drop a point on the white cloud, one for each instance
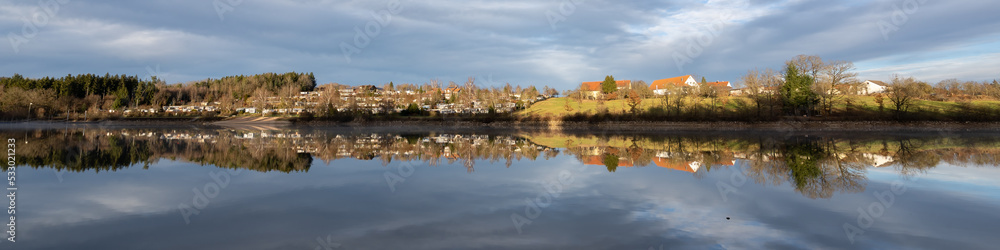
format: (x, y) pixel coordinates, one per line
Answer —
(964, 68)
(513, 40)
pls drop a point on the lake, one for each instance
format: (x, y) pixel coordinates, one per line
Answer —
(81, 187)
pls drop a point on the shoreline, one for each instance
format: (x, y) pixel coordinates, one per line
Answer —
(604, 127)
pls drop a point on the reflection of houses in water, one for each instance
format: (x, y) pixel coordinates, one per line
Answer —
(306, 149)
(689, 166)
(593, 150)
(599, 161)
(266, 134)
(870, 159)
(878, 160)
(446, 153)
(687, 162)
(692, 163)
(202, 138)
(284, 146)
(756, 157)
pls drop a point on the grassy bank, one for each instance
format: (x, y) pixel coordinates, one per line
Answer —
(856, 108)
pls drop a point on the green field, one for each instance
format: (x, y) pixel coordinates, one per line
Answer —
(853, 105)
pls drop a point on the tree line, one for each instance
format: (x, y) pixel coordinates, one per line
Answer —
(76, 95)
(73, 93)
(89, 96)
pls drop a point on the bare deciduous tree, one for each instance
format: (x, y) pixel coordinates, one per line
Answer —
(808, 64)
(901, 93)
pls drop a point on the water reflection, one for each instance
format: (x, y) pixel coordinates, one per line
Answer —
(817, 166)
(288, 188)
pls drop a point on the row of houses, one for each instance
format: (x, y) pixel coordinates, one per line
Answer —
(270, 111)
(868, 87)
(372, 98)
(658, 87)
(173, 109)
(367, 98)
(664, 86)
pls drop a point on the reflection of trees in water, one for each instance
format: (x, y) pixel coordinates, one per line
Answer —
(910, 161)
(818, 171)
(679, 153)
(228, 152)
(78, 151)
(817, 167)
(802, 159)
(611, 162)
(83, 150)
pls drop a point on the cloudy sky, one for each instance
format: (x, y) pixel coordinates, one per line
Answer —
(557, 43)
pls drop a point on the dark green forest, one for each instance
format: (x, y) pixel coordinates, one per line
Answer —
(76, 95)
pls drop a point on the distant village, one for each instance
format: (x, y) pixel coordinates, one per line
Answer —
(814, 89)
(807, 85)
(371, 99)
(374, 100)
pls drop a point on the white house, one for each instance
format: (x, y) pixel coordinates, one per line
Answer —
(878, 160)
(872, 87)
(660, 87)
(247, 110)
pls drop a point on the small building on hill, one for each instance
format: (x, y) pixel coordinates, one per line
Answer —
(590, 89)
(662, 86)
(872, 87)
(593, 89)
(721, 87)
(749, 91)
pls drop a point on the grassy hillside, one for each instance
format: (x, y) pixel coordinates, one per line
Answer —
(855, 107)
(557, 106)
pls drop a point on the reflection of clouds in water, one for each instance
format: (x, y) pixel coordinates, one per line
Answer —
(444, 206)
(367, 215)
(692, 208)
(711, 223)
(127, 198)
(975, 182)
(93, 197)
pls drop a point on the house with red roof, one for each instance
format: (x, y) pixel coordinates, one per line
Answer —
(448, 92)
(598, 160)
(720, 84)
(669, 161)
(593, 89)
(662, 86)
(721, 87)
(686, 166)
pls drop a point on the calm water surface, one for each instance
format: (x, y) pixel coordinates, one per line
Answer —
(224, 188)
